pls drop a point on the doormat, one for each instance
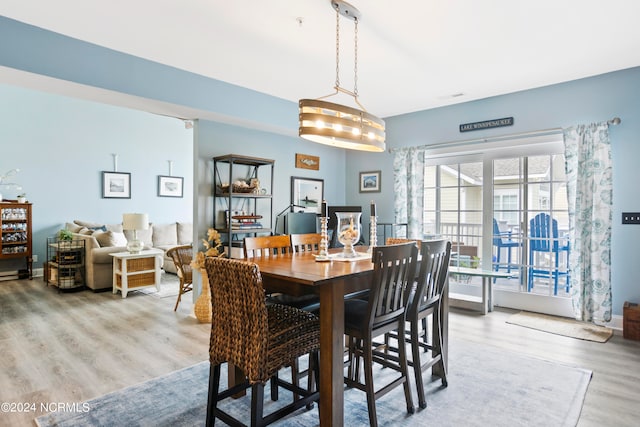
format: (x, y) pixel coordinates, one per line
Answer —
(562, 326)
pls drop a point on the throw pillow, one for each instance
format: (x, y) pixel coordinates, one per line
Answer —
(74, 228)
(110, 238)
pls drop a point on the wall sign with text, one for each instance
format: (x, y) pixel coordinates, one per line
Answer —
(487, 124)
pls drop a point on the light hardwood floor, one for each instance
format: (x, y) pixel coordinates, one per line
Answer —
(69, 347)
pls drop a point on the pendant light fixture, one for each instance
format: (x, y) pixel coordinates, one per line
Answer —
(335, 124)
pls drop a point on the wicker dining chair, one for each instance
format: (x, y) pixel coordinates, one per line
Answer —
(384, 311)
(182, 256)
(257, 338)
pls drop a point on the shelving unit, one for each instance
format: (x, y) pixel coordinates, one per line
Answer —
(15, 224)
(65, 264)
(255, 203)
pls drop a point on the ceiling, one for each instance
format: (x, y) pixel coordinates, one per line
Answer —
(413, 54)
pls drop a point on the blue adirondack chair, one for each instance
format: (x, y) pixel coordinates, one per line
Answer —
(502, 239)
(543, 232)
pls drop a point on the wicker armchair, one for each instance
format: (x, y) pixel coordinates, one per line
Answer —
(182, 256)
(257, 338)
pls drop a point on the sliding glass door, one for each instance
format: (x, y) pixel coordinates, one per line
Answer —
(504, 212)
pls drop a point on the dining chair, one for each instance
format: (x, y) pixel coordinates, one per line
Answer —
(270, 246)
(425, 301)
(394, 269)
(544, 239)
(503, 240)
(307, 242)
(182, 256)
(256, 337)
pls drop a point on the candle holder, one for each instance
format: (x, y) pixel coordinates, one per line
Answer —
(373, 233)
(323, 254)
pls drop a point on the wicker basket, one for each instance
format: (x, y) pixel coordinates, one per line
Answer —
(242, 189)
(139, 264)
(136, 280)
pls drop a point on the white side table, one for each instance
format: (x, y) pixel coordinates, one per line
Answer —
(136, 271)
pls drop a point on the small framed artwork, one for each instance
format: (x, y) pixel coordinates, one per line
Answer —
(116, 185)
(307, 193)
(370, 182)
(170, 186)
(305, 161)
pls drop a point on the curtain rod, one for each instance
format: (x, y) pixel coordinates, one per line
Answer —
(457, 143)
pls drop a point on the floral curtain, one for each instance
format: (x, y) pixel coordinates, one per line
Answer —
(589, 192)
(408, 187)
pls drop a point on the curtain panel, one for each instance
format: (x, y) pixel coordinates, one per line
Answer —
(408, 188)
(590, 196)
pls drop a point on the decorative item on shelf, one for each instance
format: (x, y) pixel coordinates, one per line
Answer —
(134, 222)
(323, 253)
(213, 248)
(335, 124)
(22, 198)
(348, 232)
(9, 185)
(373, 228)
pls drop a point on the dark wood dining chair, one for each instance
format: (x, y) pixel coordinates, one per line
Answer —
(257, 337)
(307, 242)
(182, 256)
(425, 301)
(384, 311)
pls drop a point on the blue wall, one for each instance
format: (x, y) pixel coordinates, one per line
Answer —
(61, 145)
(582, 101)
(28, 48)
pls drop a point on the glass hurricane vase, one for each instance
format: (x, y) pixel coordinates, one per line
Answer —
(348, 232)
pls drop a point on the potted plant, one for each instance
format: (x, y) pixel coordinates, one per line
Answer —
(65, 235)
(22, 198)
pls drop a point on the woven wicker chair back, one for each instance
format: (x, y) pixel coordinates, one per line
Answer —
(309, 242)
(239, 324)
(264, 246)
(182, 256)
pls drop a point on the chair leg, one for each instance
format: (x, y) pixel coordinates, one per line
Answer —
(417, 369)
(212, 400)
(368, 381)
(179, 296)
(437, 335)
(257, 402)
(404, 366)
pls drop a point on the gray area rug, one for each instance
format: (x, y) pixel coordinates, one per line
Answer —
(487, 387)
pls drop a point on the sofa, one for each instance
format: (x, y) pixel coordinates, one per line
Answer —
(104, 239)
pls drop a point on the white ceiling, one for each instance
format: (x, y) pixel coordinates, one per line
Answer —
(413, 54)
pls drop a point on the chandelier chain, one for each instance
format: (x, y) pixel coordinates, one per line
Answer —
(337, 49)
(355, 65)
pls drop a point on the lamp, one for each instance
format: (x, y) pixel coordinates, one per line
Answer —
(135, 222)
(335, 124)
(291, 205)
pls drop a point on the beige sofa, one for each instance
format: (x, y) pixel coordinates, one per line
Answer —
(104, 239)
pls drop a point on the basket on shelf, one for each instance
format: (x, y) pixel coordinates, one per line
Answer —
(236, 188)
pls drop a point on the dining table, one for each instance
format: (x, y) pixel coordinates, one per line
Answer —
(300, 274)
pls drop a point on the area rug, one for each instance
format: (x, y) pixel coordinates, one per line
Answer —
(561, 326)
(487, 386)
(169, 286)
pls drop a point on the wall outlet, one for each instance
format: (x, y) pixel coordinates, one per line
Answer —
(34, 258)
(631, 217)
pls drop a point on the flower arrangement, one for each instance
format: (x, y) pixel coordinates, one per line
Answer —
(213, 248)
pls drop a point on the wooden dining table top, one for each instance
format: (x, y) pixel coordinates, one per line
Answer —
(300, 273)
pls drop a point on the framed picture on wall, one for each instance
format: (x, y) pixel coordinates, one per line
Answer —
(116, 185)
(170, 186)
(307, 193)
(370, 182)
